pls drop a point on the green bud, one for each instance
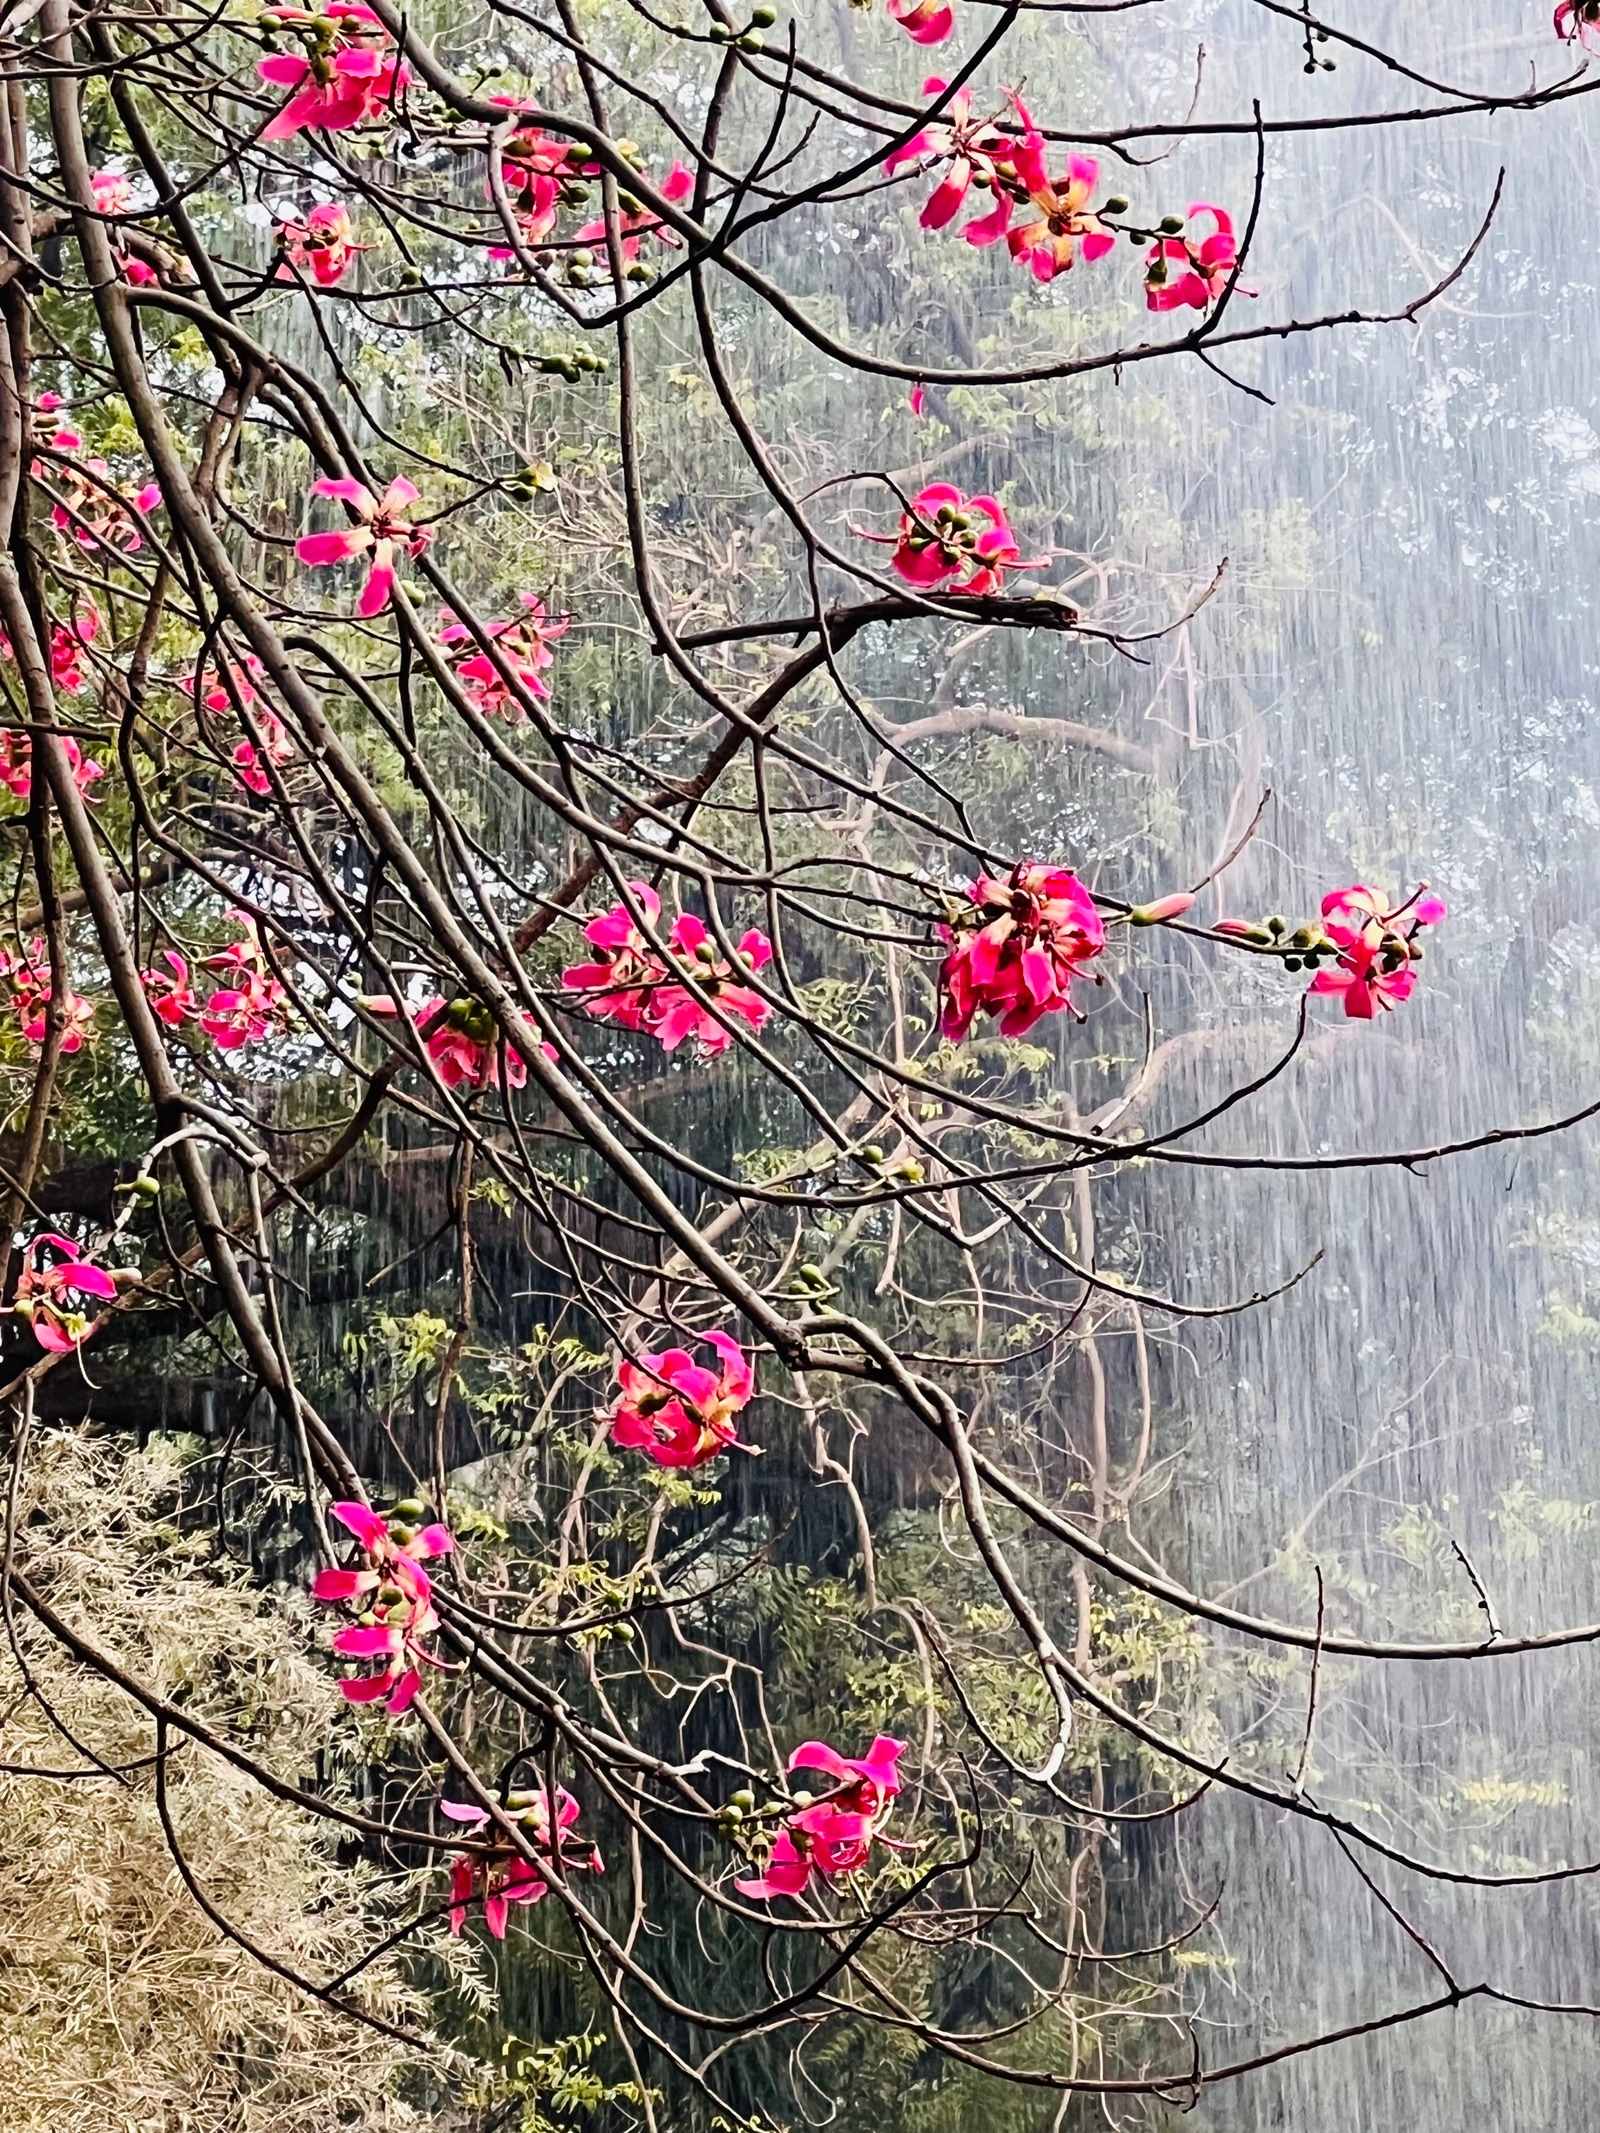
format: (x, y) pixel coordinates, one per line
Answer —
(410, 1507)
(762, 18)
(626, 1631)
(744, 1799)
(1169, 225)
(872, 1154)
(400, 1533)
(1117, 206)
(802, 1798)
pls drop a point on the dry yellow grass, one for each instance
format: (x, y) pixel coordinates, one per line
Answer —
(122, 2009)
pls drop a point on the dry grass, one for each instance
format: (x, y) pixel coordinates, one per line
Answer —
(122, 2009)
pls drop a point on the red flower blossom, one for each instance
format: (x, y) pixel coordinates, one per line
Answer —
(1179, 272)
(113, 195)
(635, 986)
(91, 510)
(524, 645)
(16, 764)
(1578, 22)
(384, 527)
(251, 1009)
(501, 1877)
(272, 746)
(540, 175)
(395, 1596)
(347, 76)
(1377, 952)
(924, 21)
(323, 244)
(55, 1293)
(463, 1040)
(975, 151)
(677, 1412)
(169, 991)
(835, 1836)
(948, 535)
(1048, 243)
(67, 641)
(634, 224)
(1015, 953)
(27, 976)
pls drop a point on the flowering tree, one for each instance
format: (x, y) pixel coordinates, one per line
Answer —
(328, 859)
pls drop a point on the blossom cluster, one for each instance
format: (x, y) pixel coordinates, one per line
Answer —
(347, 75)
(462, 1039)
(57, 1289)
(25, 976)
(497, 1875)
(678, 1412)
(1365, 950)
(393, 1596)
(832, 1836)
(89, 508)
(249, 1009)
(636, 987)
(1045, 216)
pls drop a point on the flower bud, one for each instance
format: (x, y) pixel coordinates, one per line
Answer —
(1163, 908)
(410, 1507)
(762, 18)
(1169, 225)
(744, 1799)
(1117, 206)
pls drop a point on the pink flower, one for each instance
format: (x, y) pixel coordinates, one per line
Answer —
(634, 224)
(540, 174)
(67, 641)
(674, 1013)
(169, 991)
(275, 747)
(633, 986)
(91, 510)
(919, 399)
(464, 1039)
(1376, 950)
(251, 1009)
(113, 195)
(1578, 21)
(383, 528)
(620, 985)
(524, 646)
(1178, 272)
(501, 1876)
(975, 151)
(395, 1597)
(924, 21)
(28, 977)
(54, 1292)
(834, 1836)
(677, 1412)
(349, 78)
(1015, 953)
(324, 242)
(16, 764)
(948, 535)
(1048, 244)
